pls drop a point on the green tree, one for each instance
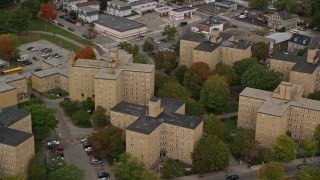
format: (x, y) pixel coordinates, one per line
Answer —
(6, 24)
(194, 108)
(37, 171)
(241, 66)
(270, 171)
(179, 73)
(210, 154)
(202, 69)
(170, 169)
(127, 168)
(140, 59)
(42, 118)
(88, 104)
(33, 6)
(215, 93)
(193, 83)
(6, 3)
(169, 31)
(291, 6)
(13, 177)
(20, 20)
(212, 125)
(309, 148)
(107, 142)
(70, 107)
(177, 48)
(259, 4)
(81, 118)
(315, 96)
(245, 145)
(149, 175)
(67, 172)
(225, 70)
(260, 50)
(301, 52)
(308, 172)
(165, 60)
(99, 118)
(284, 149)
(161, 79)
(316, 136)
(316, 20)
(173, 90)
(148, 46)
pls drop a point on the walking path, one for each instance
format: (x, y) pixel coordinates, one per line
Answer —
(229, 115)
(60, 36)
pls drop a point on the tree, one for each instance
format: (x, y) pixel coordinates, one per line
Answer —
(107, 142)
(6, 24)
(47, 13)
(314, 96)
(291, 6)
(127, 168)
(37, 171)
(258, 77)
(170, 169)
(67, 172)
(180, 72)
(194, 108)
(309, 148)
(20, 20)
(215, 93)
(308, 172)
(245, 145)
(15, 177)
(85, 53)
(270, 171)
(225, 70)
(316, 20)
(81, 118)
(259, 4)
(316, 136)
(173, 90)
(71, 107)
(99, 118)
(193, 83)
(177, 48)
(165, 60)
(260, 50)
(284, 149)
(8, 45)
(134, 50)
(212, 125)
(88, 104)
(42, 118)
(241, 66)
(33, 6)
(6, 3)
(149, 175)
(210, 154)
(169, 31)
(140, 59)
(301, 52)
(161, 79)
(202, 69)
(148, 46)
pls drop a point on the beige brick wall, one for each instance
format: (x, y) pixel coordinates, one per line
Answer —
(8, 98)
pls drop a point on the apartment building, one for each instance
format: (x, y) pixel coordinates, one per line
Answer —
(157, 130)
(13, 90)
(298, 41)
(283, 19)
(283, 111)
(221, 47)
(303, 70)
(16, 142)
(112, 80)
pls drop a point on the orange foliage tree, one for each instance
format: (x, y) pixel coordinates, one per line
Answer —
(46, 12)
(8, 45)
(202, 69)
(85, 53)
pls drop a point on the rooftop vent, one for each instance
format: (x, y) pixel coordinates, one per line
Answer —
(295, 39)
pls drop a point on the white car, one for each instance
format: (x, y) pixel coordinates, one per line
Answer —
(88, 149)
(45, 54)
(55, 21)
(157, 42)
(34, 49)
(21, 60)
(84, 140)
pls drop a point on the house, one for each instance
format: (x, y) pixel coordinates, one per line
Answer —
(118, 8)
(88, 14)
(225, 5)
(181, 13)
(194, 3)
(142, 6)
(213, 23)
(119, 27)
(298, 41)
(243, 3)
(91, 4)
(283, 19)
(70, 4)
(281, 41)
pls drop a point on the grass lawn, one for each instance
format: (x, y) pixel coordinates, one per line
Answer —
(39, 25)
(35, 37)
(55, 94)
(230, 125)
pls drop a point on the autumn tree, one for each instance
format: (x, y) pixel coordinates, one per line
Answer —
(225, 70)
(193, 83)
(202, 69)
(107, 142)
(284, 149)
(270, 171)
(212, 125)
(165, 60)
(179, 73)
(260, 50)
(85, 53)
(169, 31)
(245, 145)
(8, 45)
(215, 93)
(308, 172)
(47, 13)
(210, 154)
(173, 90)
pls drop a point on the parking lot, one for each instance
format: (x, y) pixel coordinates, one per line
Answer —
(28, 69)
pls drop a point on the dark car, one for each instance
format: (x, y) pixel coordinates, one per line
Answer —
(27, 62)
(47, 50)
(234, 26)
(169, 4)
(55, 54)
(29, 48)
(302, 165)
(61, 16)
(38, 69)
(233, 177)
(57, 149)
(35, 58)
(163, 40)
(183, 23)
(70, 29)
(60, 24)
(103, 175)
(44, 49)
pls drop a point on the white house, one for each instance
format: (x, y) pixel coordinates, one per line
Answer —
(88, 14)
(144, 5)
(69, 4)
(91, 4)
(118, 8)
(119, 27)
(180, 13)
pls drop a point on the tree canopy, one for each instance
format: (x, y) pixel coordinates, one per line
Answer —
(140, 59)
(212, 125)
(270, 171)
(194, 108)
(127, 168)
(81, 118)
(169, 31)
(13, 177)
(308, 172)
(179, 73)
(170, 169)
(99, 118)
(241, 66)
(67, 172)
(291, 6)
(173, 90)
(193, 83)
(46, 12)
(314, 96)
(259, 4)
(245, 145)
(202, 69)
(284, 149)
(316, 136)
(148, 46)
(85, 53)
(165, 60)
(225, 70)
(161, 79)
(210, 154)
(8, 46)
(308, 148)
(260, 50)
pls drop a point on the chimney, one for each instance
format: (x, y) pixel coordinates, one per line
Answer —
(155, 107)
(283, 91)
(311, 55)
(215, 36)
(113, 57)
(71, 57)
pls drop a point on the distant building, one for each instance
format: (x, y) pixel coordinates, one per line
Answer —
(226, 5)
(213, 23)
(158, 130)
(283, 19)
(143, 6)
(70, 4)
(118, 8)
(194, 3)
(181, 13)
(298, 42)
(88, 14)
(119, 27)
(281, 112)
(90, 4)
(281, 41)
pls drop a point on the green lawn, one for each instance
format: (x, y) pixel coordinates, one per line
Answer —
(35, 37)
(55, 94)
(39, 25)
(230, 125)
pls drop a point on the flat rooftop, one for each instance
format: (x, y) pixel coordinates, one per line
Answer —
(120, 24)
(11, 116)
(279, 36)
(183, 9)
(5, 87)
(11, 78)
(13, 137)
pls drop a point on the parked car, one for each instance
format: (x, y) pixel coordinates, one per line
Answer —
(60, 24)
(29, 48)
(88, 149)
(26, 62)
(34, 49)
(302, 165)
(70, 29)
(45, 54)
(89, 152)
(140, 38)
(169, 4)
(57, 149)
(157, 42)
(58, 56)
(103, 175)
(47, 50)
(38, 69)
(183, 23)
(35, 58)
(96, 160)
(232, 177)
(163, 40)
(73, 21)
(61, 16)
(55, 54)
(42, 50)
(234, 26)
(84, 140)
